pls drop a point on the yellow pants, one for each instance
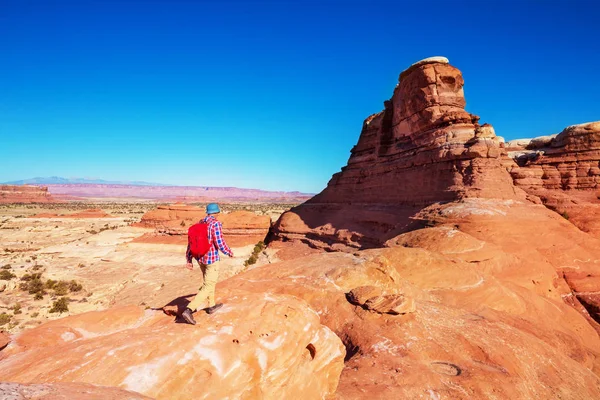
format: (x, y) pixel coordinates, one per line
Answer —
(206, 292)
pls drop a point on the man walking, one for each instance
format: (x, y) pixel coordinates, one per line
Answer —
(207, 262)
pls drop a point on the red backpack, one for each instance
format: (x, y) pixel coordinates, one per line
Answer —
(198, 239)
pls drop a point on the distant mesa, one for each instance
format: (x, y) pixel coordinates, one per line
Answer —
(57, 180)
(24, 194)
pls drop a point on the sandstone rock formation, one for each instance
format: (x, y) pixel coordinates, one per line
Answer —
(257, 346)
(24, 194)
(492, 315)
(564, 172)
(240, 228)
(64, 391)
(423, 148)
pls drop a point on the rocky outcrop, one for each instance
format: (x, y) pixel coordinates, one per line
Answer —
(491, 307)
(24, 194)
(241, 228)
(564, 172)
(423, 148)
(258, 346)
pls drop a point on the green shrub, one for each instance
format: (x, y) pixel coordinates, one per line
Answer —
(6, 275)
(60, 306)
(50, 283)
(565, 215)
(17, 309)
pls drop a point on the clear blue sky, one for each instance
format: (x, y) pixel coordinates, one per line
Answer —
(268, 94)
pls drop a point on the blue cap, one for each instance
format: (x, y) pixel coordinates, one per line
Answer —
(212, 208)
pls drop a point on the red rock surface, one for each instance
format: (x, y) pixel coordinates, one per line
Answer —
(492, 315)
(256, 346)
(564, 172)
(64, 391)
(4, 339)
(240, 228)
(172, 193)
(24, 194)
(423, 148)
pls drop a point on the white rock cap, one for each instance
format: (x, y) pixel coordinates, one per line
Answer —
(428, 60)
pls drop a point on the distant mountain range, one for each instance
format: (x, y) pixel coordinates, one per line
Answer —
(81, 188)
(57, 180)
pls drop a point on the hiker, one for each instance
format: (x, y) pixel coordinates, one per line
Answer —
(205, 239)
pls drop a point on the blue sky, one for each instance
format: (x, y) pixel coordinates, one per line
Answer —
(268, 94)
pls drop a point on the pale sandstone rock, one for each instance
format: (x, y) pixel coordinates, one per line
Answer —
(258, 345)
(64, 391)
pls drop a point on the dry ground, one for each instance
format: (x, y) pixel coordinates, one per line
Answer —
(97, 259)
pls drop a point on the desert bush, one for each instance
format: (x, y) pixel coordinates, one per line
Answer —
(260, 246)
(565, 215)
(75, 287)
(33, 286)
(81, 265)
(38, 296)
(31, 277)
(61, 288)
(60, 306)
(17, 309)
(5, 318)
(6, 275)
(35, 314)
(6, 266)
(50, 283)
(37, 267)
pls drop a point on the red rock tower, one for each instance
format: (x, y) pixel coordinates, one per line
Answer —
(421, 149)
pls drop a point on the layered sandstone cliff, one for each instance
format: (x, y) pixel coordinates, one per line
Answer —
(421, 149)
(564, 172)
(24, 194)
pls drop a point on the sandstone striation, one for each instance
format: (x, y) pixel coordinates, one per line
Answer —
(421, 149)
(24, 194)
(240, 228)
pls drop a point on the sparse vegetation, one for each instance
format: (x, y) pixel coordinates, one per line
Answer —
(6, 275)
(6, 266)
(565, 215)
(5, 318)
(60, 306)
(258, 248)
(75, 287)
(17, 309)
(35, 314)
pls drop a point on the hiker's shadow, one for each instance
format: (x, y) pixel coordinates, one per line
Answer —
(176, 307)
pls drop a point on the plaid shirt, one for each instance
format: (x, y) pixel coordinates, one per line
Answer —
(215, 238)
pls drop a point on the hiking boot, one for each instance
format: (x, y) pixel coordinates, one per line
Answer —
(188, 316)
(214, 308)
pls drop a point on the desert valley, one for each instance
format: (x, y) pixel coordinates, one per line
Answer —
(442, 262)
